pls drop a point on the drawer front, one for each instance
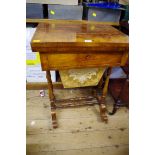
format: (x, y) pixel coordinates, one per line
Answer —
(65, 12)
(106, 15)
(34, 10)
(68, 61)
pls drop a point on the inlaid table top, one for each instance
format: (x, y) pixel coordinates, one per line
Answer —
(61, 36)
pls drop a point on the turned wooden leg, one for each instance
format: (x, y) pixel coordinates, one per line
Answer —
(100, 83)
(99, 86)
(50, 88)
(102, 99)
(52, 98)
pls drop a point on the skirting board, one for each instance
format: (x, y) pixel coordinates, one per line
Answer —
(42, 85)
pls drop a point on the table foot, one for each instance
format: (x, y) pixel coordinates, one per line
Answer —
(103, 110)
(54, 120)
(104, 118)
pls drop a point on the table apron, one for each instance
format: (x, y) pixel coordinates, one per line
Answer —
(60, 61)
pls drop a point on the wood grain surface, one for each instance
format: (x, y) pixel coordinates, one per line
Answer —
(68, 61)
(78, 37)
(62, 45)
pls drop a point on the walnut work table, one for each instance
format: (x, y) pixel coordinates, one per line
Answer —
(77, 44)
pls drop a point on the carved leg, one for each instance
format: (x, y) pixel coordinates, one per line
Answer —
(102, 100)
(52, 98)
(100, 82)
(50, 88)
(99, 86)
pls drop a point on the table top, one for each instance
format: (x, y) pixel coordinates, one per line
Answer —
(73, 34)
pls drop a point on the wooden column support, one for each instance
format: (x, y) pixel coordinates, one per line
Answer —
(102, 98)
(100, 83)
(50, 88)
(52, 99)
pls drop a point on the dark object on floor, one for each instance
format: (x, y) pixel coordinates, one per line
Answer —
(119, 89)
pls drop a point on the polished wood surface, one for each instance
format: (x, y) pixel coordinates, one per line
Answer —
(69, 37)
(68, 61)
